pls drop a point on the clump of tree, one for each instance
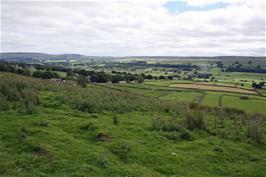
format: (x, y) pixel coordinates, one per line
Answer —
(45, 74)
(258, 85)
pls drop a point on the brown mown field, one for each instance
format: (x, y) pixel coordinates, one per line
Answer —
(214, 88)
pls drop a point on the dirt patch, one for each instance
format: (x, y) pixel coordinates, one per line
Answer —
(103, 137)
(39, 151)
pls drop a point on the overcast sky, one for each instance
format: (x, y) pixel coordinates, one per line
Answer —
(175, 28)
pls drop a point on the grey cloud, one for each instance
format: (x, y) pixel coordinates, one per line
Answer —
(126, 28)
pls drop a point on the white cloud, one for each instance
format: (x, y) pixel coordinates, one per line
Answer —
(133, 28)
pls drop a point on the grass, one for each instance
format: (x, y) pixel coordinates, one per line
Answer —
(71, 151)
(212, 99)
(100, 131)
(253, 105)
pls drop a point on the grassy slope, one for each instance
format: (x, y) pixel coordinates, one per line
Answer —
(54, 142)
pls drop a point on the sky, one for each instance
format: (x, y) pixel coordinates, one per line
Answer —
(135, 28)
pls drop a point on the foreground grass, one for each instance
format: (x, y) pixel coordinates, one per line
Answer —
(56, 145)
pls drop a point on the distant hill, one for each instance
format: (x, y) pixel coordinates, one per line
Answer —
(27, 56)
(195, 57)
(39, 56)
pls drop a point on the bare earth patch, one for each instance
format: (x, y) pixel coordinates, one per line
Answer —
(214, 88)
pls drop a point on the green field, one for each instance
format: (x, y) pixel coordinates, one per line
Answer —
(208, 98)
(253, 105)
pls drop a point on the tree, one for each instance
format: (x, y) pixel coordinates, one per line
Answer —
(170, 77)
(117, 78)
(149, 77)
(257, 86)
(140, 79)
(100, 77)
(37, 74)
(49, 75)
(26, 72)
(161, 77)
